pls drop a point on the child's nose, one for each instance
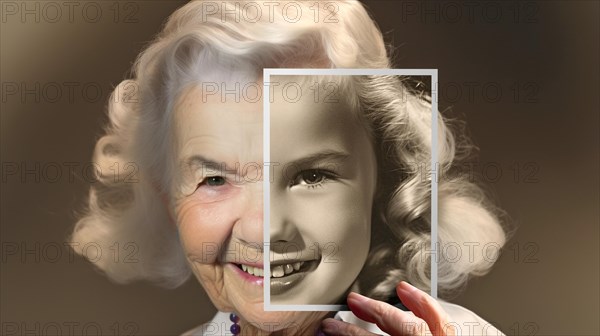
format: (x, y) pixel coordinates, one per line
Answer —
(281, 227)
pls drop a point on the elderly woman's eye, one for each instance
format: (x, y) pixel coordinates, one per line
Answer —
(214, 189)
(213, 181)
(312, 178)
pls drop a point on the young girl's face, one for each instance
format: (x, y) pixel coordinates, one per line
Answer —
(321, 193)
(323, 174)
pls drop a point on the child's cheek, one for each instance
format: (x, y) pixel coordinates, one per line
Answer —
(349, 220)
(328, 213)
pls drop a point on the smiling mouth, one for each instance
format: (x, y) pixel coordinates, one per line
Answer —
(281, 270)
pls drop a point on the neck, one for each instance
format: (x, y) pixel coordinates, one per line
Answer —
(308, 326)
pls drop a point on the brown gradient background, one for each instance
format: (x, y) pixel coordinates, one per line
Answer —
(547, 280)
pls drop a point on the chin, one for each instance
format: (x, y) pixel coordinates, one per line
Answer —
(274, 321)
(307, 293)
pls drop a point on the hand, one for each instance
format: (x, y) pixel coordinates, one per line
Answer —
(429, 317)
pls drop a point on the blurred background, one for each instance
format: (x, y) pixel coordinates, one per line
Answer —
(523, 75)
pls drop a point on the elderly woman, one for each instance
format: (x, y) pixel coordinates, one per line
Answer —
(191, 121)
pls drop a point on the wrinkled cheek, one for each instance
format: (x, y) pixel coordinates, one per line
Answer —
(209, 275)
(211, 279)
(203, 230)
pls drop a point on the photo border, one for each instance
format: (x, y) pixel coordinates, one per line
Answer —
(267, 73)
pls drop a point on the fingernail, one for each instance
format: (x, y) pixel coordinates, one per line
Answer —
(357, 298)
(405, 286)
(328, 327)
(410, 295)
(358, 304)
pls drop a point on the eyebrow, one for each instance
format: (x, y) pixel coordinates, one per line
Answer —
(200, 162)
(326, 156)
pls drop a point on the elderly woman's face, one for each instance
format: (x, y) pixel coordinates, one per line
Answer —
(322, 185)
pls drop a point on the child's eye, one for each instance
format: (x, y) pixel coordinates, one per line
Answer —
(312, 178)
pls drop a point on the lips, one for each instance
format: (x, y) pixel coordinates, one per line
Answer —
(285, 274)
(277, 271)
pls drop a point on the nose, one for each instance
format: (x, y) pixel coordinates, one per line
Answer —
(281, 227)
(250, 222)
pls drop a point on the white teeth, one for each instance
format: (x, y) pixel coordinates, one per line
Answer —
(276, 272)
(253, 270)
(281, 270)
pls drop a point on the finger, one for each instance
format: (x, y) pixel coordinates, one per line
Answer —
(427, 308)
(387, 317)
(334, 327)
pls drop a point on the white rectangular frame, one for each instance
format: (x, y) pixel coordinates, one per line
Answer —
(267, 73)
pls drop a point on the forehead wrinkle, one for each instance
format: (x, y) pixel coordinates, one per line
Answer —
(213, 128)
(221, 154)
(197, 162)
